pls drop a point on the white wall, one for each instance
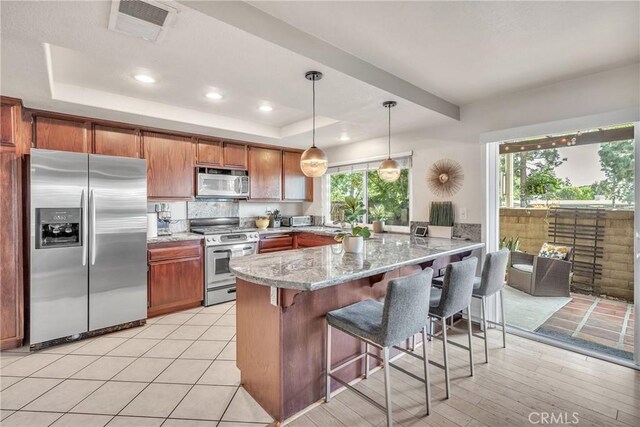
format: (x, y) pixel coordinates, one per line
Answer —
(608, 91)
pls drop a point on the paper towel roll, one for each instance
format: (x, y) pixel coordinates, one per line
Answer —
(152, 225)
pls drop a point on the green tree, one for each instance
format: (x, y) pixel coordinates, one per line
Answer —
(617, 163)
(393, 197)
(542, 184)
(584, 192)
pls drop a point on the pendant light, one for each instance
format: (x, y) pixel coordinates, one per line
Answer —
(313, 161)
(389, 170)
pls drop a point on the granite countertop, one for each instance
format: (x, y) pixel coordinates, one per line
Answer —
(175, 237)
(315, 268)
(328, 231)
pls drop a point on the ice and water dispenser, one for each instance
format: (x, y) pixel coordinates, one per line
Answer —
(58, 227)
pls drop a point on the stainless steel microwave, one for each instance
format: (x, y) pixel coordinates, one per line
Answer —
(222, 183)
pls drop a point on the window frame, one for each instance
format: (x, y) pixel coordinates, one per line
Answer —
(365, 195)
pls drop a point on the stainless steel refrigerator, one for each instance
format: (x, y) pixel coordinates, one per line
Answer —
(88, 243)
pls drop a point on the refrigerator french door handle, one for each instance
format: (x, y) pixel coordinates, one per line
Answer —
(85, 228)
(92, 204)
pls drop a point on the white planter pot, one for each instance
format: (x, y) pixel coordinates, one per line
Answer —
(378, 226)
(440, 231)
(353, 244)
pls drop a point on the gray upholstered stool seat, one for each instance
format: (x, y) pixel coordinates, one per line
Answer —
(402, 315)
(363, 319)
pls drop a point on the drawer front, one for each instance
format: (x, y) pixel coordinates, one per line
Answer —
(219, 295)
(308, 240)
(274, 242)
(176, 252)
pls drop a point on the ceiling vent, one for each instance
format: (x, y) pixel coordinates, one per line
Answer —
(145, 19)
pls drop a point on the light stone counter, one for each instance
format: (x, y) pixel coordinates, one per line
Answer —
(315, 268)
(175, 237)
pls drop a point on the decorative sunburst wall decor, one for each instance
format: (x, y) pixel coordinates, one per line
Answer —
(445, 177)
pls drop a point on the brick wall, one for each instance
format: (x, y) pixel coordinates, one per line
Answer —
(532, 226)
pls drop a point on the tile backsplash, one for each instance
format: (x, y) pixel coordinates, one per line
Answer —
(201, 209)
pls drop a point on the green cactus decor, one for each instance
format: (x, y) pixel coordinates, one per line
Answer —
(441, 214)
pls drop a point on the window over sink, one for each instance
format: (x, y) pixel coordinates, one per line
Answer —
(389, 200)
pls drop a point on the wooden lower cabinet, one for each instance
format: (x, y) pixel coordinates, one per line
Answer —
(11, 280)
(176, 277)
(310, 240)
(276, 242)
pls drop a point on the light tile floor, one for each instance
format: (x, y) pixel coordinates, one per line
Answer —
(178, 370)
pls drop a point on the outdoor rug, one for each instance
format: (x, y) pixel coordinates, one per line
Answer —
(527, 312)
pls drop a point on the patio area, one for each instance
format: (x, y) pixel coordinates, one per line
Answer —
(594, 323)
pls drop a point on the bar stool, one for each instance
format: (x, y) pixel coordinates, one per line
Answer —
(383, 325)
(490, 282)
(453, 297)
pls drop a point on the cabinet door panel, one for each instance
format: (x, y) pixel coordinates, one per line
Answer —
(8, 125)
(235, 155)
(116, 142)
(296, 185)
(11, 285)
(62, 135)
(175, 282)
(170, 166)
(265, 173)
(209, 152)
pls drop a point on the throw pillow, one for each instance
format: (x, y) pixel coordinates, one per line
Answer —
(549, 250)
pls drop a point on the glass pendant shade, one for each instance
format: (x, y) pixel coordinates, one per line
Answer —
(389, 170)
(313, 162)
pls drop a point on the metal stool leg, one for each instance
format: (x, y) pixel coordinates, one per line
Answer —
(446, 358)
(425, 357)
(470, 335)
(387, 385)
(366, 360)
(327, 396)
(504, 332)
(484, 328)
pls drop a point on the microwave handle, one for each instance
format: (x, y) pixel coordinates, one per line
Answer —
(236, 185)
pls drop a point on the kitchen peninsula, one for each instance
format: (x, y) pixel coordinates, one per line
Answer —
(282, 299)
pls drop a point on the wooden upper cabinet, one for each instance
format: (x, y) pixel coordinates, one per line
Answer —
(295, 184)
(116, 141)
(209, 152)
(265, 173)
(170, 166)
(62, 134)
(9, 116)
(234, 155)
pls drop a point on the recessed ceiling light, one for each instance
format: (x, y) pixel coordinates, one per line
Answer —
(214, 95)
(265, 108)
(144, 78)
(345, 137)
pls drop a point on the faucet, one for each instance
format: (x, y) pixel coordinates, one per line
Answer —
(337, 212)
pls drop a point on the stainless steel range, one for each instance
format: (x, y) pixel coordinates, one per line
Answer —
(224, 239)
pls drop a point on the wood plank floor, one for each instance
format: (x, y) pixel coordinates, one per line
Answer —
(517, 386)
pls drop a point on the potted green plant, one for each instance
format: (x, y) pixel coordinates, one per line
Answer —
(379, 216)
(274, 218)
(354, 240)
(441, 218)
